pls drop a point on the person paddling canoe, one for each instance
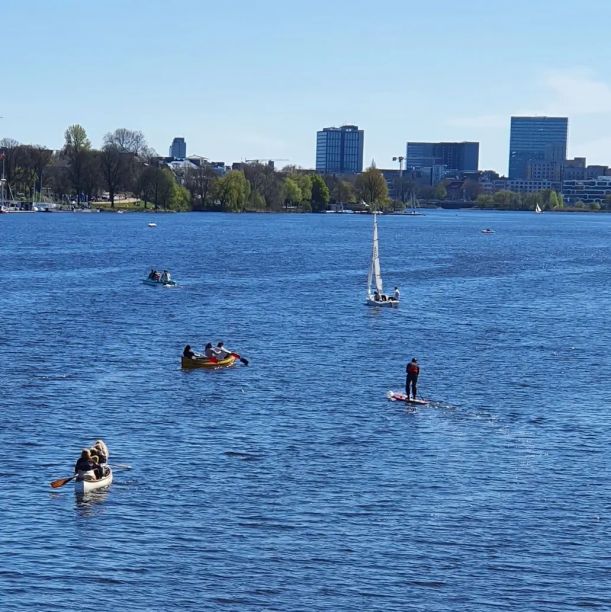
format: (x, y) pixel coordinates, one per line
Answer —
(84, 464)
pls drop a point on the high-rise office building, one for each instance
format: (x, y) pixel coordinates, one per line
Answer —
(537, 146)
(460, 156)
(339, 150)
(178, 148)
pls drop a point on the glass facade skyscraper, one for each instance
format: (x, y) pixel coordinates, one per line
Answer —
(339, 150)
(461, 156)
(534, 140)
(178, 148)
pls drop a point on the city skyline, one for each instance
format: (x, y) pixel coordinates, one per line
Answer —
(255, 82)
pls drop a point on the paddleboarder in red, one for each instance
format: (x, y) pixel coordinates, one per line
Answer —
(412, 369)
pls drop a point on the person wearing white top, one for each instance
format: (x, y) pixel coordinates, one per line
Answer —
(397, 294)
(222, 352)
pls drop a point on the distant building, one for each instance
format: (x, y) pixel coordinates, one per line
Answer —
(178, 148)
(574, 169)
(490, 184)
(339, 150)
(588, 190)
(537, 147)
(457, 157)
(595, 171)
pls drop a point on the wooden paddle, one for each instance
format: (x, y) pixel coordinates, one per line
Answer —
(60, 482)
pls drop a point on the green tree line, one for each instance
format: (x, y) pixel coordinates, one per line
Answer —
(125, 164)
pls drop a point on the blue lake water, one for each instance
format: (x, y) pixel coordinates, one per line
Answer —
(293, 484)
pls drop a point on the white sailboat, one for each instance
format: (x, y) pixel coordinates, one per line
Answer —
(413, 207)
(538, 208)
(375, 288)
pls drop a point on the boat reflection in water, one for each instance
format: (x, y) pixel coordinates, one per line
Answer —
(90, 503)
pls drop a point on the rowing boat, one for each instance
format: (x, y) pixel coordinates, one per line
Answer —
(203, 362)
(84, 486)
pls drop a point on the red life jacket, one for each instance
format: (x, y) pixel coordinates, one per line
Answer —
(413, 369)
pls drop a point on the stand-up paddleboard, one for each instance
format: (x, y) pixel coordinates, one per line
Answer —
(398, 396)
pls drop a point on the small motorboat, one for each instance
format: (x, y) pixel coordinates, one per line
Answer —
(487, 230)
(155, 283)
(155, 279)
(152, 225)
(194, 363)
(84, 486)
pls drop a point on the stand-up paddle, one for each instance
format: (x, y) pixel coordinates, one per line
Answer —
(60, 482)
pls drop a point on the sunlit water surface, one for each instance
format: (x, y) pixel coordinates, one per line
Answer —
(293, 484)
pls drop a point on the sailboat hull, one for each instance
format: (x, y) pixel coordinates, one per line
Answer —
(386, 304)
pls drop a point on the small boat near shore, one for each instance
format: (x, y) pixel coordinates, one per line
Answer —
(194, 363)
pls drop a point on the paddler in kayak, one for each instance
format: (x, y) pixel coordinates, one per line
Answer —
(412, 370)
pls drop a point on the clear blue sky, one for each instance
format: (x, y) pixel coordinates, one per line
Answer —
(246, 79)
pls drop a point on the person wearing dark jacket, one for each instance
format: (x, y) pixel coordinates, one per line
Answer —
(412, 370)
(84, 463)
(188, 352)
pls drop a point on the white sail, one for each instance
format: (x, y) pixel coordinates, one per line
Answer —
(538, 208)
(374, 271)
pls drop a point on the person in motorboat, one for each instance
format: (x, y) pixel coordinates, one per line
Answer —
(165, 277)
(152, 274)
(190, 354)
(412, 370)
(84, 465)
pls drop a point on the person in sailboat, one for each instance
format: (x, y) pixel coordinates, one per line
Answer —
(376, 295)
(412, 371)
(396, 294)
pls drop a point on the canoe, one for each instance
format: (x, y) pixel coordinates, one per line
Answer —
(155, 283)
(204, 362)
(84, 486)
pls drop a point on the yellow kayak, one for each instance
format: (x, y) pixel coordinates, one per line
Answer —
(204, 362)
